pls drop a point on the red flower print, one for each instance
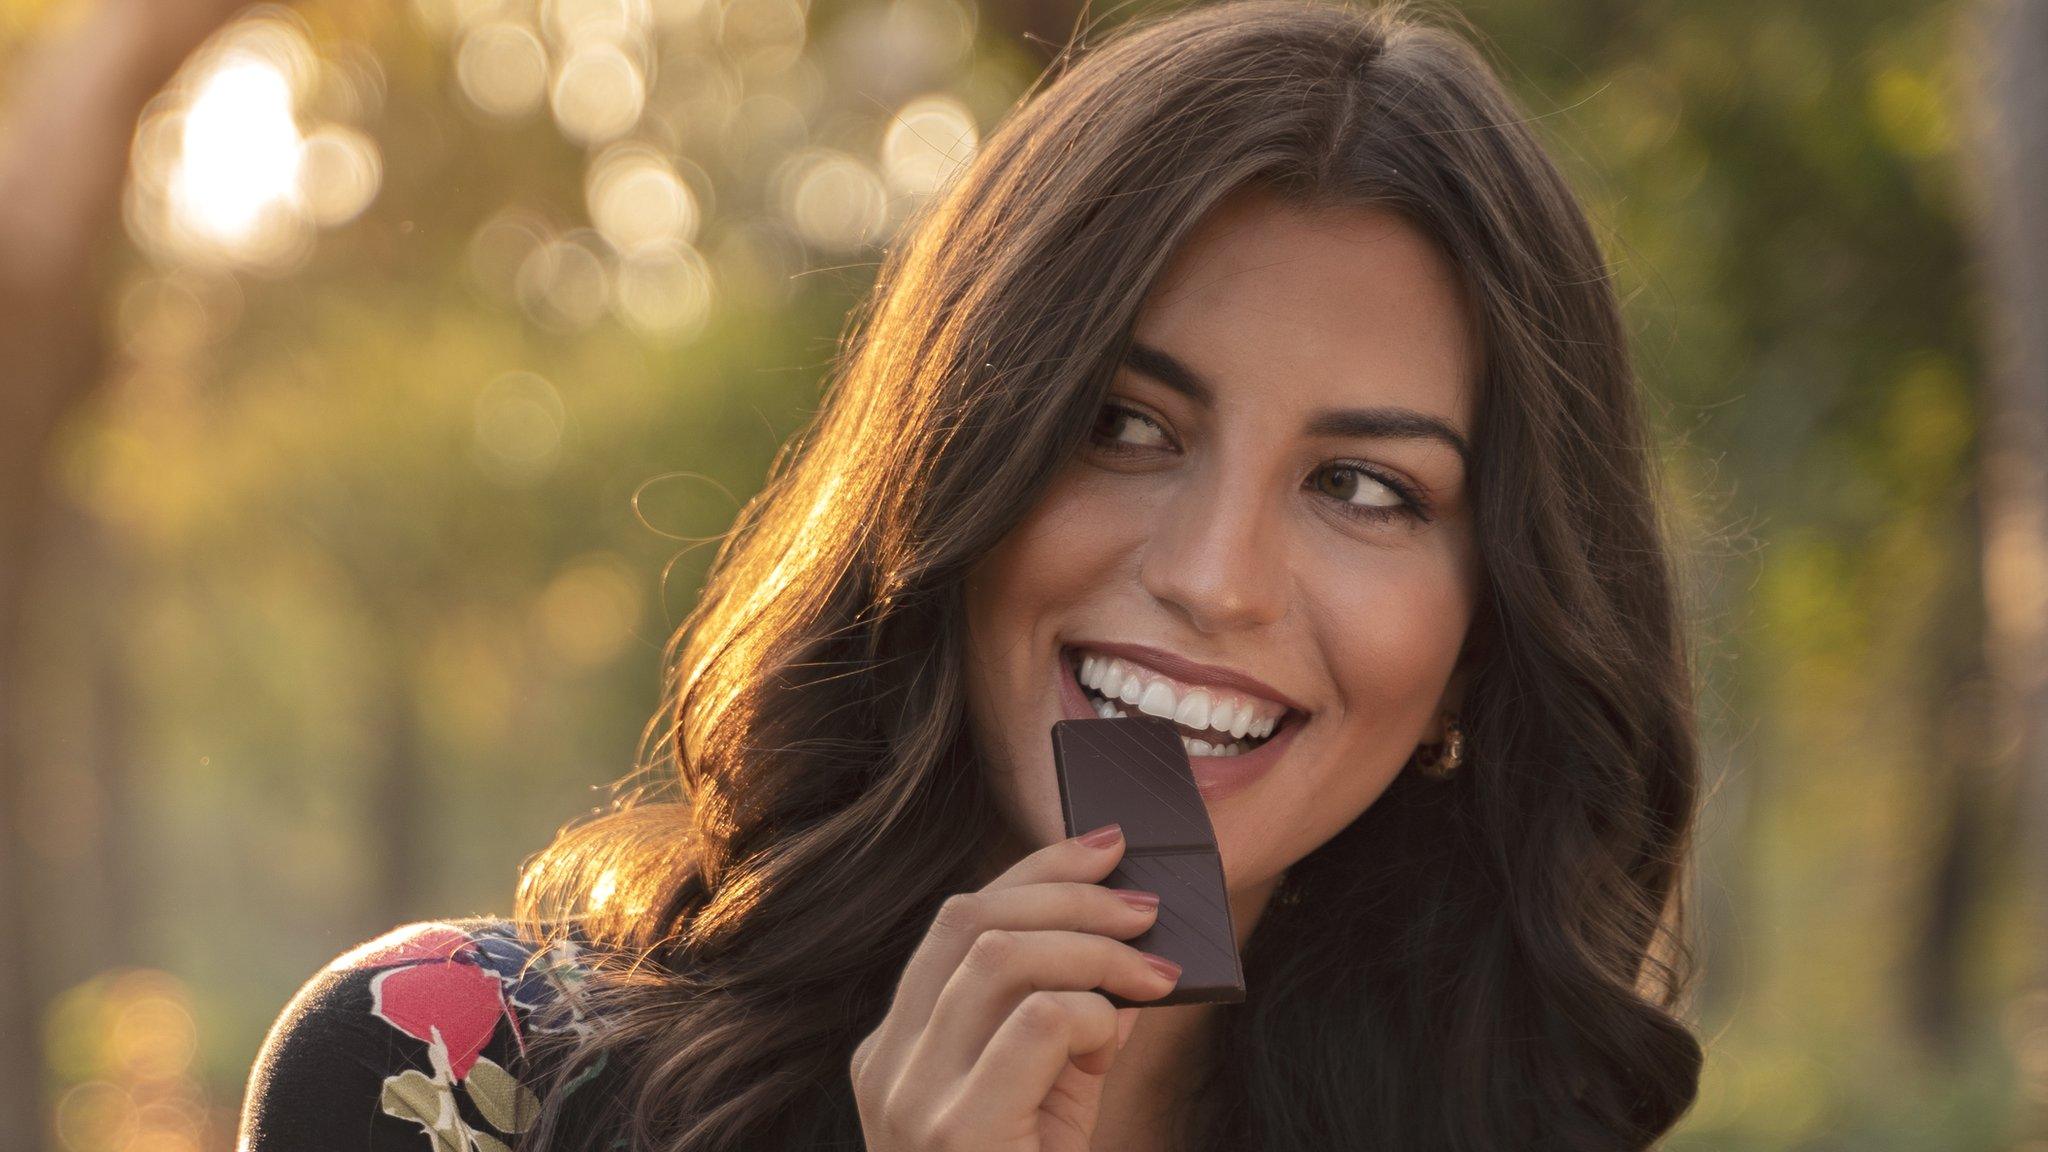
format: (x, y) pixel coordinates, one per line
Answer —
(405, 945)
(436, 990)
(455, 1002)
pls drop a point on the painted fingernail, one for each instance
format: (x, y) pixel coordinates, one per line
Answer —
(1137, 898)
(1102, 837)
(1163, 966)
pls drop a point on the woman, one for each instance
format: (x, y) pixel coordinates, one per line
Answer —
(1263, 356)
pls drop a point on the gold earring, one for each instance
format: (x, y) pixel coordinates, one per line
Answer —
(1444, 760)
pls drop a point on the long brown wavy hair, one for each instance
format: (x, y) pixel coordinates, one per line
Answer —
(1494, 962)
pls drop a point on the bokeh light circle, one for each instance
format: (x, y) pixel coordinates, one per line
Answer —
(832, 200)
(636, 199)
(929, 141)
(502, 68)
(598, 93)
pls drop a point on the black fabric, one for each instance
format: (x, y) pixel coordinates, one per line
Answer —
(416, 1041)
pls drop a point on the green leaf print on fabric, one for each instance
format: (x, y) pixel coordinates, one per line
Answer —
(413, 1095)
(509, 1105)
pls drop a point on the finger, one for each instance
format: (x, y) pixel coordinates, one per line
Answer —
(1050, 888)
(887, 1054)
(1047, 1032)
(1004, 968)
(1067, 859)
(1068, 904)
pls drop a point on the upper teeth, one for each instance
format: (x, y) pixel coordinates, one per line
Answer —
(1192, 705)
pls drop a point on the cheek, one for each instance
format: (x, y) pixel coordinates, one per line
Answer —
(1075, 557)
(1392, 633)
(1387, 628)
(1051, 560)
(1035, 582)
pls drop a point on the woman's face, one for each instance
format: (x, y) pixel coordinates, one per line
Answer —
(1274, 489)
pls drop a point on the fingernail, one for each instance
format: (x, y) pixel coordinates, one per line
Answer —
(1123, 1028)
(1102, 837)
(1163, 966)
(1141, 900)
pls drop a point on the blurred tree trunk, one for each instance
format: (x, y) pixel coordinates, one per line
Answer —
(97, 569)
(400, 793)
(1960, 755)
(49, 344)
(2012, 161)
(22, 510)
(70, 111)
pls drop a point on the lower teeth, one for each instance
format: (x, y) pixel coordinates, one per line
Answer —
(1109, 710)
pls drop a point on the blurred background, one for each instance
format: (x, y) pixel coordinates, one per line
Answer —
(372, 372)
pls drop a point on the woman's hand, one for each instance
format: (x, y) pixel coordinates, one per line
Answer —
(994, 1041)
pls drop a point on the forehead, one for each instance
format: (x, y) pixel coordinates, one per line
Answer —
(1327, 306)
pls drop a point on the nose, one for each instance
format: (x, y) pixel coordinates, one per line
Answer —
(1217, 557)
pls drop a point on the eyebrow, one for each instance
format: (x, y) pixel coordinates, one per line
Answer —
(1378, 422)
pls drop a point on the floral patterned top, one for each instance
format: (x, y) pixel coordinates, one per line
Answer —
(415, 1042)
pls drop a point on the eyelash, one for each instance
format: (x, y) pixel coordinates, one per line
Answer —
(1411, 504)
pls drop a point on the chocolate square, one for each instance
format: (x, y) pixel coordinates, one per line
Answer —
(1133, 770)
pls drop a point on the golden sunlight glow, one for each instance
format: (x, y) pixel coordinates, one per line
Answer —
(164, 318)
(572, 21)
(222, 170)
(95, 1115)
(637, 200)
(565, 283)
(765, 36)
(502, 245)
(240, 150)
(601, 892)
(665, 290)
(127, 1040)
(681, 13)
(832, 199)
(276, 35)
(502, 68)
(339, 172)
(598, 92)
(451, 17)
(756, 261)
(928, 142)
(153, 1037)
(518, 435)
(587, 613)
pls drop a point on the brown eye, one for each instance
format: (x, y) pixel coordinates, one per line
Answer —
(1350, 483)
(1119, 429)
(1363, 493)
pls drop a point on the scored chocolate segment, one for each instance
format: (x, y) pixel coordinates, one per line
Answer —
(1133, 771)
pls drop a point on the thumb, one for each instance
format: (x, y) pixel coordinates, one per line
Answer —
(1126, 1018)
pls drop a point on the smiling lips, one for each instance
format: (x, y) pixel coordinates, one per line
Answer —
(1214, 721)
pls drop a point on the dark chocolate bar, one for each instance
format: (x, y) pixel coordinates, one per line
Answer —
(1133, 771)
